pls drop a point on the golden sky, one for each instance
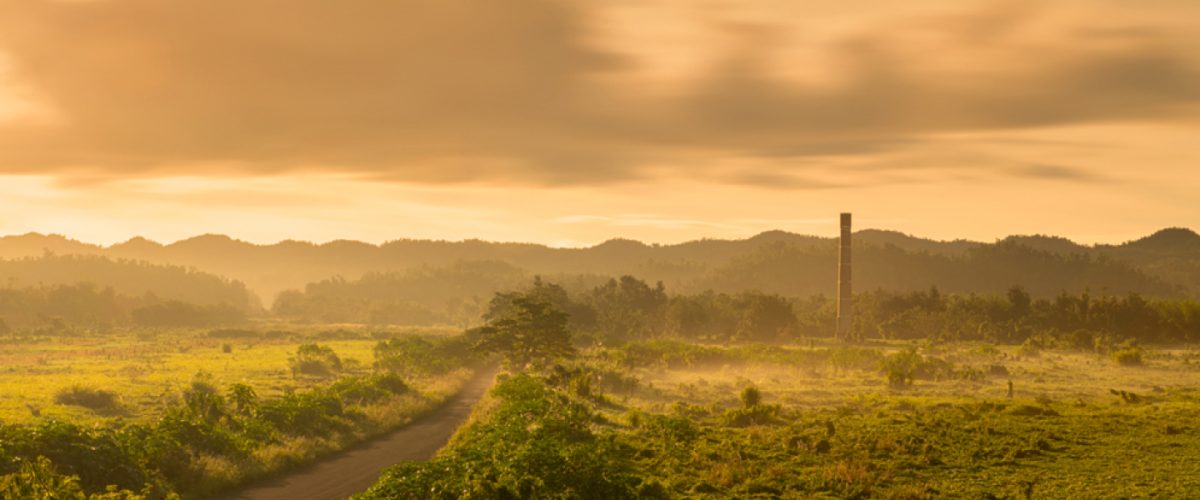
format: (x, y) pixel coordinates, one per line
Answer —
(571, 122)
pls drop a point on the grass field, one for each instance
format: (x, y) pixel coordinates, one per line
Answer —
(972, 372)
(198, 412)
(1077, 425)
(880, 420)
(147, 369)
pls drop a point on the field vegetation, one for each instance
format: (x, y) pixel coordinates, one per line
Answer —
(160, 413)
(1055, 414)
(615, 388)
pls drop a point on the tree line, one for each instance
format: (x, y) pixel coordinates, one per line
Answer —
(56, 293)
(62, 309)
(628, 309)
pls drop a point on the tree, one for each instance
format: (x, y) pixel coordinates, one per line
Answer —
(1020, 302)
(531, 331)
(629, 308)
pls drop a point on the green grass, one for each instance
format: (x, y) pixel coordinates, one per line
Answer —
(146, 373)
(179, 412)
(1079, 425)
(148, 368)
(820, 421)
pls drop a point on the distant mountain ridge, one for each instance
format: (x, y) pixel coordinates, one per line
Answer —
(1170, 256)
(138, 279)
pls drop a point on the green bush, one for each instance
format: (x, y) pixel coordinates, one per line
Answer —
(316, 360)
(411, 355)
(906, 366)
(37, 479)
(537, 442)
(99, 457)
(314, 413)
(363, 390)
(87, 397)
(1127, 356)
(751, 396)
(901, 367)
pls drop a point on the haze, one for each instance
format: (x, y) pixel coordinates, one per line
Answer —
(568, 123)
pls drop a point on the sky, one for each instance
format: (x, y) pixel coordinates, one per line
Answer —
(572, 122)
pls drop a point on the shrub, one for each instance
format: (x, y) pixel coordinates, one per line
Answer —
(360, 390)
(667, 428)
(202, 400)
(1127, 356)
(758, 414)
(38, 479)
(314, 413)
(184, 429)
(87, 397)
(98, 456)
(243, 398)
(315, 359)
(901, 367)
(535, 443)
(751, 396)
(850, 479)
(411, 355)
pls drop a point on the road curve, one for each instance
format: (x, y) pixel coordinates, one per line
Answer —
(356, 469)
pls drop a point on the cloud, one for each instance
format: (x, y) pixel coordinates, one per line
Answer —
(145, 84)
(882, 104)
(519, 91)
(642, 220)
(1058, 172)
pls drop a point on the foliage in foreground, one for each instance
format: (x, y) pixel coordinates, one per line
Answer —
(205, 426)
(536, 442)
(168, 455)
(555, 435)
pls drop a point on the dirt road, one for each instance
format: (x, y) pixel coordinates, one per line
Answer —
(356, 469)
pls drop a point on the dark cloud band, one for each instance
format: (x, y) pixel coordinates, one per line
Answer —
(460, 90)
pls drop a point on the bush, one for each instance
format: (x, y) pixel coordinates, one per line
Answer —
(315, 413)
(1127, 356)
(901, 367)
(411, 355)
(315, 359)
(87, 397)
(361, 390)
(98, 456)
(38, 479)
(751, 397)
(536, 443)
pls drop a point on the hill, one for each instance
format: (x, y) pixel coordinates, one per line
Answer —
(128, 278)
(1166, 263)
